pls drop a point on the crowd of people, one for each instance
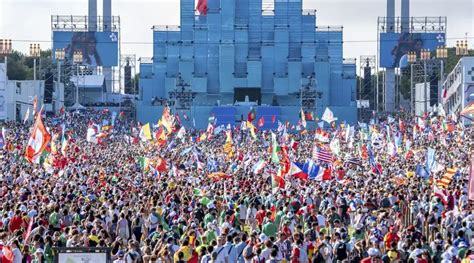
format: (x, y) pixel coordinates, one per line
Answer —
(394, 190)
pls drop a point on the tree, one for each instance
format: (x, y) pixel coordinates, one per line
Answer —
(20, 66)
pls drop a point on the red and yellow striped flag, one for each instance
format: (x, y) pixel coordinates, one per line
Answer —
(447, 178)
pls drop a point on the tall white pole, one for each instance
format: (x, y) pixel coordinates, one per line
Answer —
(34, 68)
(77, 85)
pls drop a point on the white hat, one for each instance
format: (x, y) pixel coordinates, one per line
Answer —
(373, 252)
(263, 237)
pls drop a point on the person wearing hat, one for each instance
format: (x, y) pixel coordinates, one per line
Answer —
(374, 256)
(120, 257)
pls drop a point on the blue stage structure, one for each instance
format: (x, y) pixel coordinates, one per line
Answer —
(239, 56)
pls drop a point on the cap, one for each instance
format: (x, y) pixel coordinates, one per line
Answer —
(373, 252)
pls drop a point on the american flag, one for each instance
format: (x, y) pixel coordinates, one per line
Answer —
(324, 156)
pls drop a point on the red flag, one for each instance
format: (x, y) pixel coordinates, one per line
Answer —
(309, 116)
(364, 154)
(251, 115)
(274, 118)
(161, 165)
(261, 122)
(160, 137)
(7, 254)
(202, 7)
(39, 139)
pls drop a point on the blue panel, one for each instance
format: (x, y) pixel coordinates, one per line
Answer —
(267, 113)
(281, 52)
(226, 68)
(199, 85)
(170, 85)
(267, 68)
(255, 74)
(294, 76)
(186, 69)
(224, 115)
(323, 78)
(281, 86)
(172, 65)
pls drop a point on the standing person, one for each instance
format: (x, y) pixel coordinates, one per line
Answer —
(17, 255)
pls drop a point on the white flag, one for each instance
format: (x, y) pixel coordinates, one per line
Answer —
(328, 116)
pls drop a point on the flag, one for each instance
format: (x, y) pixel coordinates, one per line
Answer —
(251, 115)
(212, 166)
(218, 176)
(470, 187)
(468, 111)
(185, 116)
(144, 163)
(321, 135)
(309, 116)
(160, 137)
(167, 119)
(441, 194)
(355, 161)
(198, 192)
(315, 152)
(92, 135)
(64, 144)
(447, 178)
(27, 115)
(273, 118)
(278, 181)
(303, 118)
(321, 174)
(328, 116)
(261, 122)
(2, 138)
(430, 159)
(202, 7)
(160, 164)
(252, 129)
(38, 141)
(324, 156)
(54, 149)
(297, 172)
(145, 132)
(181, 133)
(335, 146)
(258, 167)
(35, 105)
(275, 149)
(228, 146)
(27, 234)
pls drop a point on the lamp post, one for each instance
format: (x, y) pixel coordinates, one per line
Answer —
(77, 59)
(5, 50)
(60, 55)
(462, 48)
(35, 52)
(425, 56)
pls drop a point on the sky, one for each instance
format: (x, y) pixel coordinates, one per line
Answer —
(29, 21)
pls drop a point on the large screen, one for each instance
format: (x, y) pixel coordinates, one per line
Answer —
(98, 48)
(393, 46)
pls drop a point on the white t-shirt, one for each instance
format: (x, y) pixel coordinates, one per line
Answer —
(242, 212)
(17, 256)
(222, 254)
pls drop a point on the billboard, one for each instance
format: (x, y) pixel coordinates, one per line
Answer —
(393, 46)
(98, 48)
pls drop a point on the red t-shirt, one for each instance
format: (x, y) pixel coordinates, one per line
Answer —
(15, 223)
(260, 216)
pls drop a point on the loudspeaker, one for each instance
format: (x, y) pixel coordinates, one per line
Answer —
(48, 88)
(128, 80)
(434, 90)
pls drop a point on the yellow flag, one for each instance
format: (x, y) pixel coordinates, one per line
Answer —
(145, 133)
(252, 129)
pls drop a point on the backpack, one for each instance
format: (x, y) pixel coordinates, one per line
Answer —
(318, 256)
(341, 251)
